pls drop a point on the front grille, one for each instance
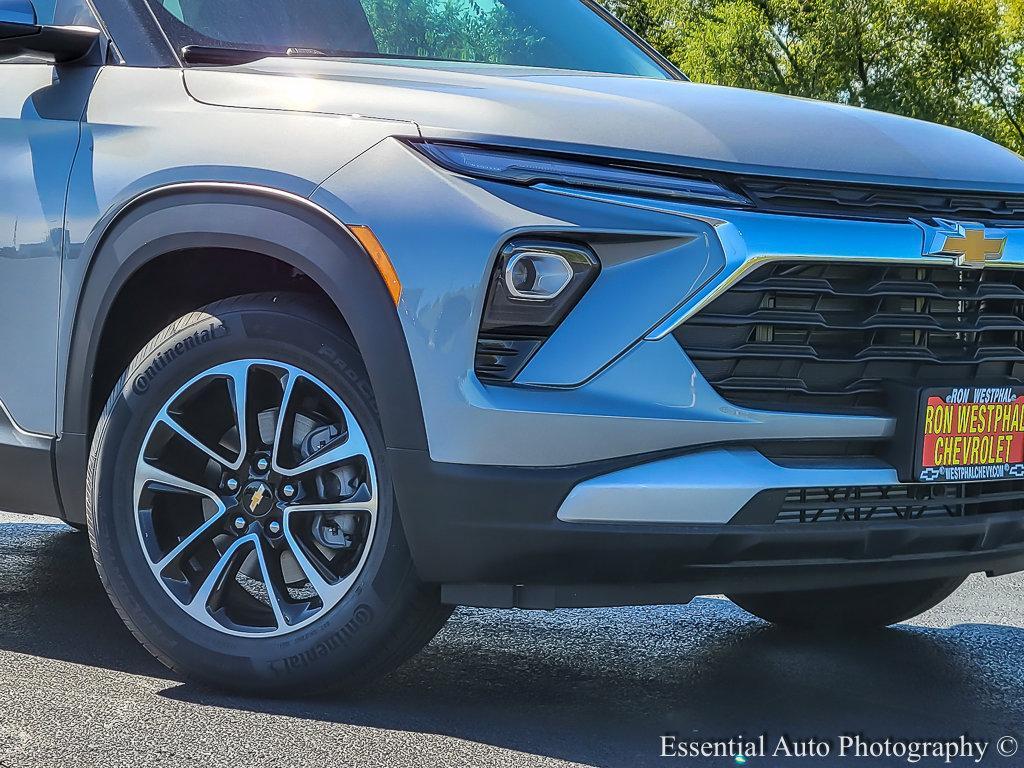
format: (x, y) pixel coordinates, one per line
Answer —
(899, 502)
(864, 201)
(817, 336)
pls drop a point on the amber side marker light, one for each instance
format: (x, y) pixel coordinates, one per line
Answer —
(381, 259)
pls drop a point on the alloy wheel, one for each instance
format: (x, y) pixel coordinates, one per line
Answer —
(255, 498)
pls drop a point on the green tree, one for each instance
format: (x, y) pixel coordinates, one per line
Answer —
(453, 29)
(958, 62)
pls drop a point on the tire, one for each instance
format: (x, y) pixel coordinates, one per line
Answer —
(281, 638)
(849, 609)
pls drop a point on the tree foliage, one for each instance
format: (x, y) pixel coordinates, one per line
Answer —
(467, 30)
(958, 62)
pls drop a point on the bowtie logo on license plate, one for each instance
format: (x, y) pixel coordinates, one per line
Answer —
(972, 246)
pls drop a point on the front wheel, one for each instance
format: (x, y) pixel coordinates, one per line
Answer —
(851, 608)
(241, 507)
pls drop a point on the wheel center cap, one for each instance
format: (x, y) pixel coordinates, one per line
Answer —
(257, 499)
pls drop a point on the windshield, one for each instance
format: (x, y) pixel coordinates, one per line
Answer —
(559, 34)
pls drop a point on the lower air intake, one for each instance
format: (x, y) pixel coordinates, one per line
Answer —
(899, 502)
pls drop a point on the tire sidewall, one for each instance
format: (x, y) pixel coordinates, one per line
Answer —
(332, 646)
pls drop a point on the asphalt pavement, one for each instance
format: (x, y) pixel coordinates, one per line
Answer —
(496, 688)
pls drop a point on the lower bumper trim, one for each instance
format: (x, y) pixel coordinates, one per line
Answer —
(765, 577)
(709, 486)
(491, 536)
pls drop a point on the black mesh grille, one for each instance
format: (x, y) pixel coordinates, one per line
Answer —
(862, 201)
(828, 336)
(899, 502)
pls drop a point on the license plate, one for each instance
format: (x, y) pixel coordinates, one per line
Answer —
(968, 434)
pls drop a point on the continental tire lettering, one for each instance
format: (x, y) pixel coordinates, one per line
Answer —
(354, 377)
(362, 617)
(144, 380)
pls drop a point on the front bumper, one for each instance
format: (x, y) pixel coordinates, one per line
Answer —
(492, 539)
(556, 491)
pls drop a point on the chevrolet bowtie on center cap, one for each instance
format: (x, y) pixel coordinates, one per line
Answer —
(321, 321)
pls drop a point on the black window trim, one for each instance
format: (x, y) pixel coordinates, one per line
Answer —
(105, 31)
(670, 69)
(150, 48)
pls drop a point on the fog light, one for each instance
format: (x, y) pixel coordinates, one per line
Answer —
(537, 276)
(534, 286)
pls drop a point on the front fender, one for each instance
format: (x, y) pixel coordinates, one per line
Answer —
(267, 222)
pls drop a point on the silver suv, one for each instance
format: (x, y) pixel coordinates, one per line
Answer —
(325, 316)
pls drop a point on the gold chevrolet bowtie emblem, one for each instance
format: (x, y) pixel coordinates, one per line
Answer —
(975, 247)
(257, 497)
(972, 245)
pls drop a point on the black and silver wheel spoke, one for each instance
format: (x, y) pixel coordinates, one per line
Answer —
(351, 446)
(185, 548)
(211, 593)
(154, 482)
(274, 587)
(238, 375)
(169, 421)
(255, 498)
(147, 475)
(316, 573)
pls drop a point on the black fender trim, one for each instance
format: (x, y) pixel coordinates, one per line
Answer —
(260, 220)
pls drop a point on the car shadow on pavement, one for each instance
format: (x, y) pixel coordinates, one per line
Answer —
(53, 605)
(602, 687)
(594, 687)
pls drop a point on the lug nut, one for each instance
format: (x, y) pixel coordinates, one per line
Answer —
(274, 528)
(239, 523)
(232, 484)
(262, 464)
(288, 491)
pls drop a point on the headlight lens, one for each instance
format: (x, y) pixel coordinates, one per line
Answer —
(526, 169)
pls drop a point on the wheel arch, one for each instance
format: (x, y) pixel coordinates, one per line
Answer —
(220, 219)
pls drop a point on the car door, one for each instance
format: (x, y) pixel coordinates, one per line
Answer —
(40, 109)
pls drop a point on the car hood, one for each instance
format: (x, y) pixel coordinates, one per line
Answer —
(666, 121)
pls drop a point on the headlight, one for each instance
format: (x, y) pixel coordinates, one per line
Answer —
(530, 169)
